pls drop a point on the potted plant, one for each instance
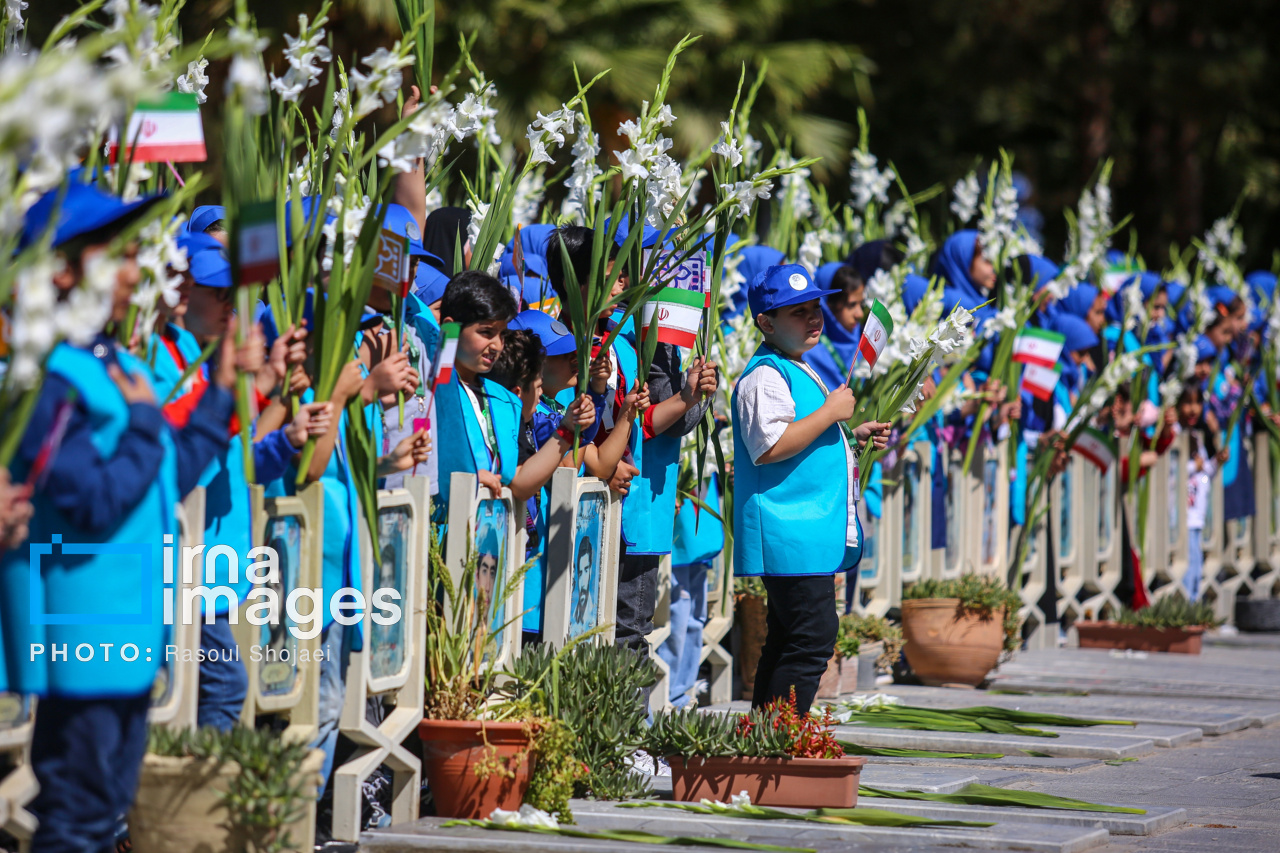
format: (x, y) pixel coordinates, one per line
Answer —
(955, 631)
(750, 616)
(865, 647)
(777, 755)
(475, 756)
(209, 791)
(1172, 624)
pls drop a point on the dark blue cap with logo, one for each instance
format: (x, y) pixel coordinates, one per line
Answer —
(782, 285)
(555, 336)
(204, 216)
(210, 267)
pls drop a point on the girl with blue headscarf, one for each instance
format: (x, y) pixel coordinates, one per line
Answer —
(970, 277)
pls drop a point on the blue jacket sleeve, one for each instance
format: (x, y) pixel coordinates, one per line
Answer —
(93, 493)
(272, 455)
(204, 436)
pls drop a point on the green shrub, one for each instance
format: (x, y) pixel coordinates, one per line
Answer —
(856, 630)
(1173, 611)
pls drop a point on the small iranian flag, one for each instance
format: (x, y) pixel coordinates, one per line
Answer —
(167, 129)
(1038, 346)
(679, 315)
(1117, 274)
(259, 245)
(442, 370)
(1040, 381)
(1097, 448)
(875, 333)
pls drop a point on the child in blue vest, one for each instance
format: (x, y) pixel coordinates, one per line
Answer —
(479, 420)
(678, 399)
(530, 344)
(795, 517)
(112, 480)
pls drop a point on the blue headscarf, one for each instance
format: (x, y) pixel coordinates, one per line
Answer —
(1079, 300)
(1263, 285)
(1043, 271)
(914, 287)
(1079, 335)
(832, 358)
(954, 261)
(869, 257)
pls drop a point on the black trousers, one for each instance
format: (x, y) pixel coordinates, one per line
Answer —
(802, 627)
(637, 599)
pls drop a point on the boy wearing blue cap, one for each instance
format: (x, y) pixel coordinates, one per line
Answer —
(795, 514)
(113, 480)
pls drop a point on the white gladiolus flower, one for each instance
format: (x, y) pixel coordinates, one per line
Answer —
(966, 195)
(739, 800)
(303, 53)
(33, 332)
(247, 80)
(379, 85)
(664, 116)
(528, 198)
(631, 130)
(528, 816)
(1006, 318)
(194, 81)
(13, 23)
(727, 146)
(810, 254)
(478, 212)
(866, 182)
(633, 165)
(747, 192)
(350, 218)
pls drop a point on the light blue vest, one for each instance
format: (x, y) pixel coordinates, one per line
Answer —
(108, 596)
(461, 437)
(790, 518)
(699, 537)
(165, 372)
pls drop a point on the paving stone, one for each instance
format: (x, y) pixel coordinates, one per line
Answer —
(1073, 743)
(1006, 835)
(1008, 762)
(1157, 818)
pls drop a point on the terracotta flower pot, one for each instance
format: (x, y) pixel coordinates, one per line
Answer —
(807, 783)
(451, 752)
(750, 614)
(947, 644)
(832, 682)
(1113, 635)
(864, 676)
(179, 809)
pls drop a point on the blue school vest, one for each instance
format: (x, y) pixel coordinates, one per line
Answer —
(698, 537)
(418, 315)
(96, 586)
(534, 591)
(790, 518)
(461, 438)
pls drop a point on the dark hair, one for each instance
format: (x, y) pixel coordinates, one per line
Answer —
(476, 297)
(217, 226)
(584, 546)
(1122, 393)
(520, 361)
(845, 281)
(1190, 393)
(577, 241)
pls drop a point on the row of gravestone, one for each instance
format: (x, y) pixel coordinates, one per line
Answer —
(282, 662)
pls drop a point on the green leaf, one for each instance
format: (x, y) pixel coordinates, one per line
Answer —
(986, 795)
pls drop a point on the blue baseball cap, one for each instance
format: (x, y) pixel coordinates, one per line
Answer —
(555, 336)
(1205, 350)
(401, 221)
(204, 216)
(429, 283)
(780, 286)
(210, 267)
(83, 210)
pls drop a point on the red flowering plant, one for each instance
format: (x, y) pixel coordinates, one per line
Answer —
(778, 730)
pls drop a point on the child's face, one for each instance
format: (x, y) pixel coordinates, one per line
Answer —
(795, 329)
(1159, 303)
(529, 396)
(848, 308)
(1122, 415)
(208, 311)
(1239, 320)
(1082, 357)
(981, 271)
(559, 372)
(1221, 333)
(1189, 411)
(1203, 370)
(479, 345)
(1097, 316)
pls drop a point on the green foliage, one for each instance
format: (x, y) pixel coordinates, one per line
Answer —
(266, 795)
(981, 718)
(856, 630)
(1173, 611)
(749, 586)
(598, 691)
(556, 768)
(774, 731)
(979, 595)
(985, 795)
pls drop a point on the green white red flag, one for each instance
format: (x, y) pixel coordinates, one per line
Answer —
(876, 329)
(259, 243)
(446, 355)
(1097, 448)
(1038, 346)
(167, 129)
(1040, 381)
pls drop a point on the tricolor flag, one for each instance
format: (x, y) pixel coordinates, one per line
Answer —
(1097, 448)
(876, 330)
(1117, 274)
(1040, 381)
(679, 315)
(442, 369)
(259, 244)
(167, 129)
(1038, 346)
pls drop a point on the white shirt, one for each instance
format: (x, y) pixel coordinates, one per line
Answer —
(1198, 488)
(765, 409)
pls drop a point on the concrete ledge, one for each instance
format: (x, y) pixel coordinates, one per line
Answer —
(1076, 743)
(1157, 818)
